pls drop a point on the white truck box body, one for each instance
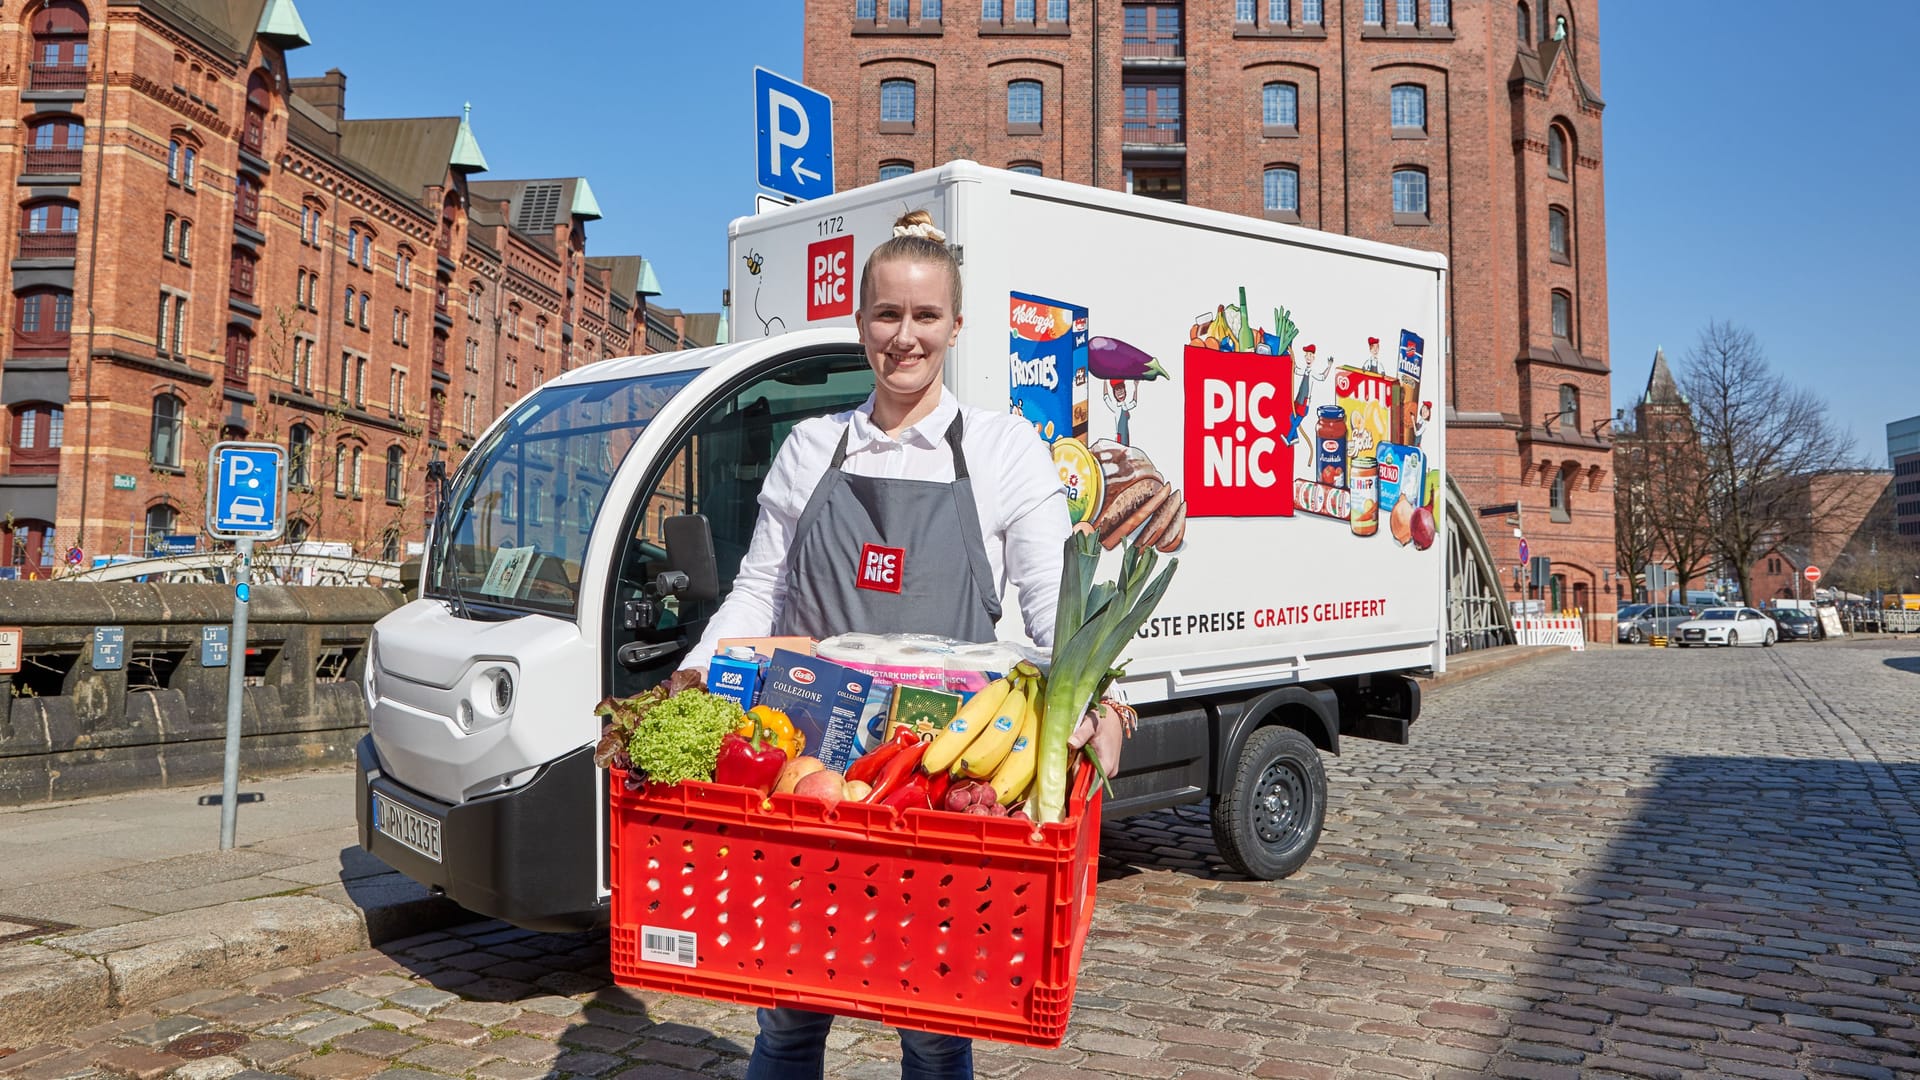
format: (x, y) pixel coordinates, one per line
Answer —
(1269, 594)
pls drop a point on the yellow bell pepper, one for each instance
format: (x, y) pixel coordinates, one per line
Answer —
(772, 726)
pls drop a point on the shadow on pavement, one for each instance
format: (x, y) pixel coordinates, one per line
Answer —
(1754, 914)
(1908, 664)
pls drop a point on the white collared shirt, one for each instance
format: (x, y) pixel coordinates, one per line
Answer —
(1016, 489)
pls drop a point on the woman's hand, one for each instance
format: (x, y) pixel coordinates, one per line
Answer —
(1103, 728)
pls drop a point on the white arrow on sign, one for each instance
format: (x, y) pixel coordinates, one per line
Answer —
(803, 174)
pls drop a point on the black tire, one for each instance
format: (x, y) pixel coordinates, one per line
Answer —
(1268, 820)
(1634, 636)
(1767, 642)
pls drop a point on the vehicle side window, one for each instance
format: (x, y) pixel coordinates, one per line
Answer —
(717, 470)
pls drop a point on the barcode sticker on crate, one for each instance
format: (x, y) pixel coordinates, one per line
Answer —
(663, 946)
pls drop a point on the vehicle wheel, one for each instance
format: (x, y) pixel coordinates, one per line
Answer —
(1767, 642)
(1268, 819)
(1633, 635)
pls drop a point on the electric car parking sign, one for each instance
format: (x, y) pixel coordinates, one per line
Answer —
(247, 492)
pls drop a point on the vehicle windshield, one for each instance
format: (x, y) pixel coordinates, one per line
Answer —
(1790, 615)
(1720, 613)
(521, 507)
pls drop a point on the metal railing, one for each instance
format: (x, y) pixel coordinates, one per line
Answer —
(41, 160)
(58, 77)
(1154, 132)
(1152, 49)
(48, 245)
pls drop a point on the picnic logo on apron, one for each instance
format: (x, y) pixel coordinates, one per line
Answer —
(881, 568)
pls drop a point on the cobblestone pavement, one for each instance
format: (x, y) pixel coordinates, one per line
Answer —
(1634, 862)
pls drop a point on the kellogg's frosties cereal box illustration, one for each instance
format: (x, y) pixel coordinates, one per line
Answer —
(1368, 399)
(1047, 381)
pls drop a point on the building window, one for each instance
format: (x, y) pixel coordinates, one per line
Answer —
(403, 269)
(991, 9)
(43, 321)
(1570, 408)
(863, 10)
(539, 333)
(1280, 192)
(396, 468)
(356, 472)
(1403, 12)
(184, 252)
(1023, 105)
(1280, 108)
(246, 201)
(897, 10)
(1023, 11)
(896, 105)
(159, 524)
(1409, 108)
(1563, 316)
(473, 302)
(396, 392)
(188, 157)
(1523, 23)
(166, 236)
(1311, 12)
(1243, 11)
(340, 470)
(892, 169)
(1409, 196)
(1025, 168)
(1557, 498)
(299, 451)
(366, 301)
(240, 275)
(351, 295)
(359, 382)
(1279, 12)
(1440, 12)
(173, 161)
(1556, 151)
(1557, 234)
(513, 321)
(1373, 14)
(39, 429)
(929, 10)
(163, 443)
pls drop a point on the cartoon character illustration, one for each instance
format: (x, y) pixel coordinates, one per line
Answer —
(1373, 357)
(754, 265)
(1117, 397)
(1308, 369)
(1422, 420)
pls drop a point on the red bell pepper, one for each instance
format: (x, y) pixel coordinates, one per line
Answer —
(895, 772)
(754, 764)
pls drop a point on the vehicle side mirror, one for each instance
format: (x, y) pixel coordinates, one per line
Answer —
(690, 551)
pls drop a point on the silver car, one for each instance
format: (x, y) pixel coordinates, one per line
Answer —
(1655, 620)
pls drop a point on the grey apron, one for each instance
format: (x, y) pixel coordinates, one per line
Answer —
(880, 555)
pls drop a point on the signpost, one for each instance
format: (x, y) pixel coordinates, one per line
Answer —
(1812, 574)
(794, 126)
(245, 502)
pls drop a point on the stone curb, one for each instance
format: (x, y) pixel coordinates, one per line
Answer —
(73, 980)
(1492, 660)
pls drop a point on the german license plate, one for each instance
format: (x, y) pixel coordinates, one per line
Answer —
(410, 828)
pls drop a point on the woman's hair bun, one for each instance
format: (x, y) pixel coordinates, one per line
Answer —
(912, 218)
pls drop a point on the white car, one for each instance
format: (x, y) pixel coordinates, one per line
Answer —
(1727, 626)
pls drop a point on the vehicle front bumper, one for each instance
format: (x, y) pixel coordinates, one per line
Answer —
(529, 856)
(1694, 636)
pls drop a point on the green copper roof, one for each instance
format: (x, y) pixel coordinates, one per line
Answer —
(720, 332)
(584, 204)
(466, 156)
(649, 285)
(281, 21)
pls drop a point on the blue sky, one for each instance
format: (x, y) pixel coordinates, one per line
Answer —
(1754, 165)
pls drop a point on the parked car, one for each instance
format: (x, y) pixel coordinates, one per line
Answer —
(1655, 620)
(1727, 626)
(1626, 613)
(1797, 625)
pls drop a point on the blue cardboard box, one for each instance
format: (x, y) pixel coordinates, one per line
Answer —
(823, 699)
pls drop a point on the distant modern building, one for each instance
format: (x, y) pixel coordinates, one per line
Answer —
(1903, 456)
(209, 248)
(1466, 127)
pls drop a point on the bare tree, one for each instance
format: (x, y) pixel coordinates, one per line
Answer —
(1634, 544)
(1761, 441)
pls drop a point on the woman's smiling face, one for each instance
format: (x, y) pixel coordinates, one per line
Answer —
(907, 323)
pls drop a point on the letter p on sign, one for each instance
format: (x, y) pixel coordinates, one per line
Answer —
(830, 278)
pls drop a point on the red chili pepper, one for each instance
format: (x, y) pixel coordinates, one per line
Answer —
(755, 764)
(910, 795)
(868, 765)
(937, 786)
(896, 771)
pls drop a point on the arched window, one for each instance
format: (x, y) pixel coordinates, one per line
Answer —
(1556, 151)
(188, 156)
(403, 268)
(240, 275)
(396, 471)
(892, 169)
(1409, 108)
(163, 444)
(356, 472)
(897, 104)
(1024, 105)
(1409, 196)
(29, 547)
(50, 228)
(297, 530)
(390, 545)
(59, 46)
(1570, 408)
(340, 470)
(184, 250)
(1026, 168)
(253, 130)
(42, 321)
(38, 430)
(349, 308)
(1280, 108)
(1523, 23)
(1557, 496)
(167, 230)
(159, 524)
(299, 456)
(246, 201)
(54, 145)
(173, 162)
(1280, 192)
(239, 355)
(1558, 243)
(1563, 316)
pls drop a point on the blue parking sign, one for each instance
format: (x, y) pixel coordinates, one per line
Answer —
(246, 498)
(793, 133)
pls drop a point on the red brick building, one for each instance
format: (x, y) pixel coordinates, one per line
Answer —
(1465, 127)
(208, 248)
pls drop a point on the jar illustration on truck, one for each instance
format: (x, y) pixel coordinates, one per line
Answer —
(1330, 447)
(1363, 496)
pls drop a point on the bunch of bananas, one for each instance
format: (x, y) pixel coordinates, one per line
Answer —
(995, 736)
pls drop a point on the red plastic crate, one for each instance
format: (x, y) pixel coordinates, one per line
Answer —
(955, 923)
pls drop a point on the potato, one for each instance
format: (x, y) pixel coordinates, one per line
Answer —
(856, 791)
(794, 770)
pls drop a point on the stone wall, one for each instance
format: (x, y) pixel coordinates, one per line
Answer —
(68, 730)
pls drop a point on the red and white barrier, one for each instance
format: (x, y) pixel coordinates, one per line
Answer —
(1551, 630)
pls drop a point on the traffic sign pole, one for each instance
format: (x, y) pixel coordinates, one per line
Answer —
(236, 687)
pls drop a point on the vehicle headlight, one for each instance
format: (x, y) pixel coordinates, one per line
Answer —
(502, 691)
(490, 697)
